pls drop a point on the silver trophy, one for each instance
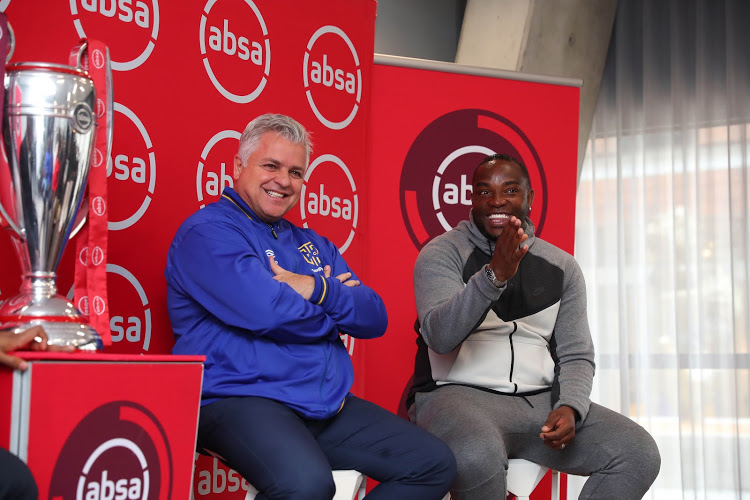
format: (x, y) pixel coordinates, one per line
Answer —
(49, 129)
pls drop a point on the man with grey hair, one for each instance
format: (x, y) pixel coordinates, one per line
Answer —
(505, 360)
(265, 301)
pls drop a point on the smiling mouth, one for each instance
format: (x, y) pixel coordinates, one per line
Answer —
(275, 194)
(499, 218)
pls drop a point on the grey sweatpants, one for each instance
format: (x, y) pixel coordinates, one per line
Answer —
(485, 429)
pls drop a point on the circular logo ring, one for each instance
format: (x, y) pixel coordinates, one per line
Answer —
(224, 134)
(335, 159)
(447, 150)
(238, 98)
(124, 224)
(122, 66)
(115, 443)
(325, 121)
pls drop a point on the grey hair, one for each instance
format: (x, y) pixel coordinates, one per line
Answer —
(283, 125)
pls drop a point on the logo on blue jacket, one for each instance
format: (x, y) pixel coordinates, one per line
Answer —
(310, 254)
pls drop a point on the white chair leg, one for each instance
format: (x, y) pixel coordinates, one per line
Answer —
(362, 488)
(251, 493)
(348, 484)
(555, 485)
(523, 476)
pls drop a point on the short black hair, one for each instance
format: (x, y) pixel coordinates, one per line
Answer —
(509, 158)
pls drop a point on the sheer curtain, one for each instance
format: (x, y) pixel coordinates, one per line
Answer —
(663, 237)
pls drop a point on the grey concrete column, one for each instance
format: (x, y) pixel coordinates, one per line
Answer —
(566, 38)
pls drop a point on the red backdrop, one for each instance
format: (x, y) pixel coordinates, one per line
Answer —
(187, 77)
(430, 130)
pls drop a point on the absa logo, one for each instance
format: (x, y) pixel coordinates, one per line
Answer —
(216, 478)
(130, 27)
(118, 451)
(329, 202)
(435, 188)
(130, 317)
(216, 166)
(332, 77)
(131, 171)
(236, 50)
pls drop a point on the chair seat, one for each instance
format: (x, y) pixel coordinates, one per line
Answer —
(523, 476)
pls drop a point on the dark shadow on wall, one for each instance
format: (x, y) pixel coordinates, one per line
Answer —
(425, 29)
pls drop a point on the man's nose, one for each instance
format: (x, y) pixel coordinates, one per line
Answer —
(497, 199)
(283, 178)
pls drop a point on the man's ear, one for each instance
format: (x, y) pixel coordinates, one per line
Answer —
(530, 198)
(238, 166)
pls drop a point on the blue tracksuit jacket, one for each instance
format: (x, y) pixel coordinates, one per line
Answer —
(259, 336)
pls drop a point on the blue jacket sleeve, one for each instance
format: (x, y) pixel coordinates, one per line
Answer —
(358, 311)
(216, 267)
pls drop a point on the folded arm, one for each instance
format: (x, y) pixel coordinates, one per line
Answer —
(219, 270)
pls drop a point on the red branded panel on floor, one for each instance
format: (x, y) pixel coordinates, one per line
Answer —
(104, 426)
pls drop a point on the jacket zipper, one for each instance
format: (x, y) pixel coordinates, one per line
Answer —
(512, 356)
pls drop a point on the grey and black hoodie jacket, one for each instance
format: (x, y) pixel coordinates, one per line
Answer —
(529, 336)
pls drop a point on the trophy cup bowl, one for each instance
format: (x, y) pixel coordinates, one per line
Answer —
(49, 127)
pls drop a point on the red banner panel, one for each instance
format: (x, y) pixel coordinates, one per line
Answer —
(123, 436)
(187, 78)
(431, 128)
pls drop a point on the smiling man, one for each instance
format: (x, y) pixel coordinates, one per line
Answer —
(505, 360)
(265, 302)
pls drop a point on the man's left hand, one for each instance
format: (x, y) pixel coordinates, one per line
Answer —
(344, 278)
(560, 428)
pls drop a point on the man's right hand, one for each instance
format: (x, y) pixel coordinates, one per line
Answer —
(304, 284)
(33, 339)
(300, 283)
(508, 250)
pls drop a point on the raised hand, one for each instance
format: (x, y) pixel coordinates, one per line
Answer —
(508, 250)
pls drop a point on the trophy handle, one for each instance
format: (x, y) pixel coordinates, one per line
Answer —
(10, 222)
(81, 217)
(11, 43)
(110, 106)
(81, 50)
(7, 219)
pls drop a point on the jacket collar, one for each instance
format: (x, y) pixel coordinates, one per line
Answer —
(230, 196)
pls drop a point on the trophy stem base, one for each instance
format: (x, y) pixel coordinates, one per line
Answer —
(77, 335)
(61, 321)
